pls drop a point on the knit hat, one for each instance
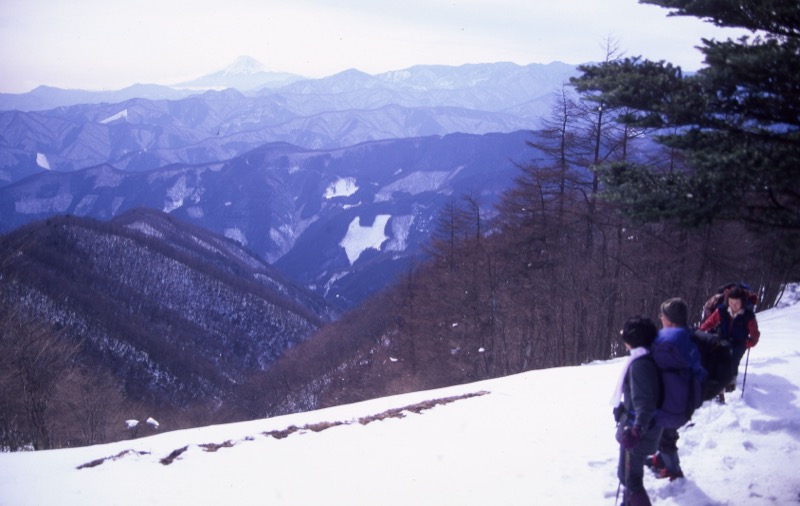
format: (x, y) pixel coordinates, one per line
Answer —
(676, 310)
(639, 332)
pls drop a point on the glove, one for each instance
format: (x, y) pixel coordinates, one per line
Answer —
(751, 341)
(631, 437)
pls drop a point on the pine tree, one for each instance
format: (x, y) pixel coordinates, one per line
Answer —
(733, 127)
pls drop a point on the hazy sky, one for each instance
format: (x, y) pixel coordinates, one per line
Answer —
(111, 44)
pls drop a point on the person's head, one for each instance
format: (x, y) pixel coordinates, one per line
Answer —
(639, 332)
(675, 313)
(736, 299)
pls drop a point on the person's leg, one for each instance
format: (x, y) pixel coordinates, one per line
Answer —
(630, 469)
(646, 447)
(668, 451)
(639, 498)
(633, 468)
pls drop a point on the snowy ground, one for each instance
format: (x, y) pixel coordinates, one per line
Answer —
(540, 438)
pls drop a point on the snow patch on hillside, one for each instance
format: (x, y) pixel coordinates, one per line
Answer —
(145, 228)
(237, 235)
(54, 205)
(178, 193)
(122, 114)
(115, 204)
(41, 161)
(414, 183)
(332, 280)
(106, 177)
(342, 187)
(284, 238)
(401, 226)
(360, 238)
(86, 205)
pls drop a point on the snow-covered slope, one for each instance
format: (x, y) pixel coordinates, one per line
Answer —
(544, 437)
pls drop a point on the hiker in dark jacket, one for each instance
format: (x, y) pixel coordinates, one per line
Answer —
(736, 323)
(639, 389)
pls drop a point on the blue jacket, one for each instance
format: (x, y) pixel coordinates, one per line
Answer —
(682, 376)
(681, 339)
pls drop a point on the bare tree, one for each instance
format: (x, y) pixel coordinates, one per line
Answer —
(38, 360)
(95, 404)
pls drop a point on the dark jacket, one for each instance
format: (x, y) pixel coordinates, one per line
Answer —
(735, 328)
(641, 391)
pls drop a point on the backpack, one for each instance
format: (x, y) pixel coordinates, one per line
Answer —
(712, 304)
(718, 299)
(716, 357)
(682, 377)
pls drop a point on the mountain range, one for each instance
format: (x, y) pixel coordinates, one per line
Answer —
(190, 238)
(426, 85)
(338, 181)
(341, 221)
(142, 133)
(244, 74)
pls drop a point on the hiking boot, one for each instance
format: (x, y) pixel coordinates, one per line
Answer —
(720, 398)
(655, 463)
(663, 474)
(730, 387)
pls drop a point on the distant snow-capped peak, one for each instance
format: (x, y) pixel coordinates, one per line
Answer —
(244, 65)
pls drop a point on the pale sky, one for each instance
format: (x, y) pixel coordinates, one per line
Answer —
(111, 44)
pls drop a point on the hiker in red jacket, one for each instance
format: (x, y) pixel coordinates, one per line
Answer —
(736, 323)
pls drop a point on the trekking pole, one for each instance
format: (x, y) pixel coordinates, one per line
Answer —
(746, 363)
(619, 487)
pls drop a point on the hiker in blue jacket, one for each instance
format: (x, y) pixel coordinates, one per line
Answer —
(638, 390)
(675, 352)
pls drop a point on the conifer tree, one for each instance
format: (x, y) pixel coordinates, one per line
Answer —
(734, 125)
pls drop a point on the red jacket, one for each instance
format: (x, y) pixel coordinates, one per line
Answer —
(738, 328)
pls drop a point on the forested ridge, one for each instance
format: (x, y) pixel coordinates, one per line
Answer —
(152, 316)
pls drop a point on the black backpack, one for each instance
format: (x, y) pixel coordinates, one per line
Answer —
(716, 357)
